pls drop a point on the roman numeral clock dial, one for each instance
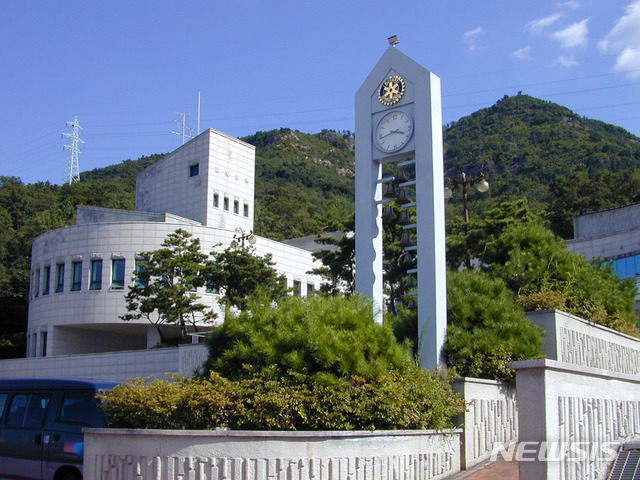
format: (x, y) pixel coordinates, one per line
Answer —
(393, 131)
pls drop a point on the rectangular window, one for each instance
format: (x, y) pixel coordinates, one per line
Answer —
(225, 203)
(117, 273)
(59, 277)
(3, 402)
(43, 345)
(236, 207)
(47, 280)
(28, 410)
(194, 170)
(216, 200)
(141, 279)
(297, 288)
(310, 289)
(245, 210)
(96, 275)
(76, 276)
(36, 284)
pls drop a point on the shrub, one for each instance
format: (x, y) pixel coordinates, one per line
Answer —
(415, 399)
(487, 329)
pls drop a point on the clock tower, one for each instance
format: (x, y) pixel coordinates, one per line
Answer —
(399, 168)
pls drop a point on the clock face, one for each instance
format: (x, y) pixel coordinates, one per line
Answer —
(393, 131)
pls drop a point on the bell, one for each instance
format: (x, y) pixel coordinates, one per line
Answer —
(405, 240)
(388, 213)
(403, 198)
(400, 177)
(411, 304)
(405, 260)
(404, 218)
(390, 191)
(409, 282)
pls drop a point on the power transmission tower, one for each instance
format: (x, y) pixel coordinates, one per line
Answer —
(72, 167)
(183, 127)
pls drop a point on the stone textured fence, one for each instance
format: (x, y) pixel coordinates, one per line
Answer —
(571, 339)
(491, 419)
(236, 455)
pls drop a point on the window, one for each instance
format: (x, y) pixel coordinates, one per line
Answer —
(225, 203)
(76, 276)
(3, 402)
(59, 277)
(117, 273)
(141, 279)
(96, 275)
(297, 288)
(245, 210)
(43, 345)
(216, 200)
(36, 284)
(47, 280)
(310, 289)
(28, 410)
(236, 207)
(77, 407)
(194, 170)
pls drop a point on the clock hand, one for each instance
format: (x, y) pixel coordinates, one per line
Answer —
(392, 132)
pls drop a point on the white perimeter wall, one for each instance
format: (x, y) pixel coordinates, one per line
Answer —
(250, 455)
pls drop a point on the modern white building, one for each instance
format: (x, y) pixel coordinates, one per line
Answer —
(80, 274)
(612, 235)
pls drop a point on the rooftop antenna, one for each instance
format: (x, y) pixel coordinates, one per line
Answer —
(183, 127)
(72, 167)
(198, 113)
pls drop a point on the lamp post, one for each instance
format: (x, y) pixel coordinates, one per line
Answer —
(249, 237)
(481, 185)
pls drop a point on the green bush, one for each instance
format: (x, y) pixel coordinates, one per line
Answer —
(487, 329)
(415, 399)
(316, 335)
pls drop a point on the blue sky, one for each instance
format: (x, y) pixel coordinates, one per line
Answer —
(126, 67)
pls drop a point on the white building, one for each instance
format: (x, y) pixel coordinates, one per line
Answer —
(80, 274)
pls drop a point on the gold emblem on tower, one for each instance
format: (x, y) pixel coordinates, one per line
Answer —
(392, 90)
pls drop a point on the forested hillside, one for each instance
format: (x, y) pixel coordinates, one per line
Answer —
(562, 163)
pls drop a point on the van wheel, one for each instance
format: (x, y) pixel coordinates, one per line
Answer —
(69, 475)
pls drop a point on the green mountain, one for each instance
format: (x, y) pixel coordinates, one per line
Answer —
(562, 163)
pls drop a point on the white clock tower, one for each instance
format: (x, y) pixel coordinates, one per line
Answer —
(399, 122)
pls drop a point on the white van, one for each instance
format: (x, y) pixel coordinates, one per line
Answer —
(41, 424)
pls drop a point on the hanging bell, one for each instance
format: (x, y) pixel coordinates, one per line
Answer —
(400, 177)
(405, 260)
(405, 240)
(390, 191)
(388, 214)
(410, 282)
(411, 304)
(404, 218)
(403, 198)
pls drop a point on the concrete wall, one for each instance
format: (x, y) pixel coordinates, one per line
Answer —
(608, 221)
(250, 455)
(575, 418)
(491, 419)
(576, 341)
(114, 366)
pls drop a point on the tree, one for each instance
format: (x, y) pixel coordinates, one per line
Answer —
(164, 291)
(237, 273)
(487, 329)
(338, 260)
(539, 268)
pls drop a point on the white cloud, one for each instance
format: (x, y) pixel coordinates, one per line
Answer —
(471, 36)
(536, 26)
(570, 4)
(575, 35)
(566, 61)
(624, 41)
(521, 54)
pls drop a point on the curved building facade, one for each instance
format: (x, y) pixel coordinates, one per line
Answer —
(81, 274)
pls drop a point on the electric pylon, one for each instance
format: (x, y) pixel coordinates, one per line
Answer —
(72, 167)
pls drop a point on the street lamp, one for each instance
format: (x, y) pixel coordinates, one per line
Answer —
(481, 185)
(249, 237)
